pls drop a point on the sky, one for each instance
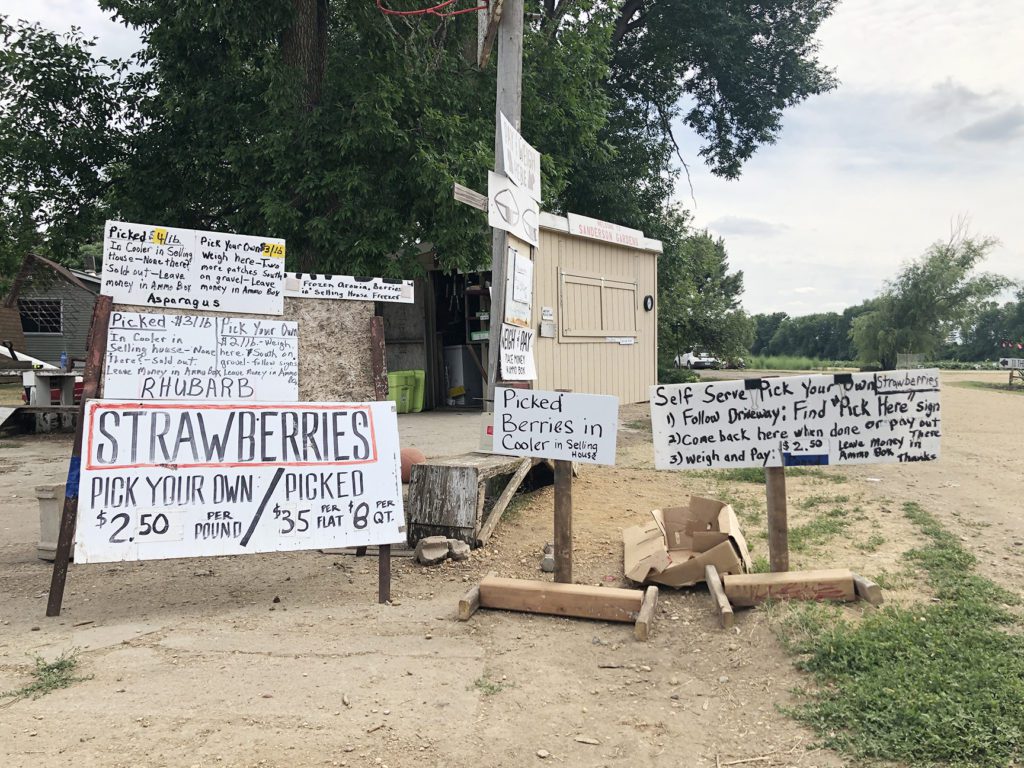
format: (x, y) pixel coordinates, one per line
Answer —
(925, 129)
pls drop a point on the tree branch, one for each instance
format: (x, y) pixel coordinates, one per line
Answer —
(666, 126)
(625, 23)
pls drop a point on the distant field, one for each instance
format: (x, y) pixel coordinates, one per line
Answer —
(795, 363)
(1016, 389)
(10, 394)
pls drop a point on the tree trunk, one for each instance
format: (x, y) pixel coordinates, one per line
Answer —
(304, 46)
(304, 49)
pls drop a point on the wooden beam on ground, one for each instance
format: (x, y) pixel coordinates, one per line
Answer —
(718, 598)
(503, 501)
(753, 588)
(642, 630)
(469, 604)
(578, 600)
(867, 590)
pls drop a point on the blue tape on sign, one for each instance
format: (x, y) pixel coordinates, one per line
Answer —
(804, 460)
(74, 476)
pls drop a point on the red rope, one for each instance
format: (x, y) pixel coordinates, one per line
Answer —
(435, 10)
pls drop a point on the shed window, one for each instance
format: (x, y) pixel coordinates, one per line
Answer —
(41, 315)
(595, 306)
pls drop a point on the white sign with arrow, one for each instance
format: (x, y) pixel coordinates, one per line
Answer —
(512, 209)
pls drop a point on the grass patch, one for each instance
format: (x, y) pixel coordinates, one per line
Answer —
(488, 687)
(48, 676)
(932, 683)
(761, 564)
(756, 474)
(641, 424)
(992, 386)
(821, 500)
(872, 544)
(795, 363)
(818, 530)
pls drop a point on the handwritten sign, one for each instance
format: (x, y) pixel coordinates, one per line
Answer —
(512, 209)
(198, 357)
(859, 418)
(163, 480)
(154, 266)
(518, 288)
(347, 288)
(522, 162)
(595, 229)
(517, 363)
(556, 425)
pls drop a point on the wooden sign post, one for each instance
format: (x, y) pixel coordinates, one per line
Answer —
(97, 350)
(563, 521)
(778, 525)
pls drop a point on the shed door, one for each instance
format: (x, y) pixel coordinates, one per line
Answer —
(592, 306)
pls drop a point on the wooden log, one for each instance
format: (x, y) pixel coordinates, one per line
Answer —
(753, 588)
(487, 529)
(867, 590)
(578, 600)
(718, 598)
(469, 604)
(778, 524)
(644, 620)
(446, 494)
(563, 521)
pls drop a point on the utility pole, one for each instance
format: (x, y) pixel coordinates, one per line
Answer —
(509, 99)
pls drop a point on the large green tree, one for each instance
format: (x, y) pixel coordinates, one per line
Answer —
(699, 298)
(931, 298)
(59, 133)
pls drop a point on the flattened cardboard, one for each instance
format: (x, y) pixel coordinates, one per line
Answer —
(675, 546)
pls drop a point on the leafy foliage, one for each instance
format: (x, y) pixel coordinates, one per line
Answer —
(699, 298)
(931, 298)
(58, 134)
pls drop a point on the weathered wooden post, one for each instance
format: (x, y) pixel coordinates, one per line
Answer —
(778, 525)
(563, 521)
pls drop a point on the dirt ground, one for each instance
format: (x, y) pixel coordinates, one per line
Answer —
(196, 663)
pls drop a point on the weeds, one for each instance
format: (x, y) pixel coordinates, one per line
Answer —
(925, 684)
(756, 474)
(820, 500)
(818, 530)
(488, 687)
(874, 541)
(48, 676)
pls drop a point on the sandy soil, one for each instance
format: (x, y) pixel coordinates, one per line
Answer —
(194, 663)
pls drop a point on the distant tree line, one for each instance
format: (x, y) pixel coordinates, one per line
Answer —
(938, 305)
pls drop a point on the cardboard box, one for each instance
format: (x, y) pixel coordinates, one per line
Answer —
(675, 546)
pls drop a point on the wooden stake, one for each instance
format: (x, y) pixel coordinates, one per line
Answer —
(867, 590)
(563, 521)
(718, 598)
(97, 347)
(642, 630)
(502, 503)
(778, 525)
(469, 604)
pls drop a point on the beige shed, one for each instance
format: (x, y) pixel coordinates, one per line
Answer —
(594, 312)
(595, 307)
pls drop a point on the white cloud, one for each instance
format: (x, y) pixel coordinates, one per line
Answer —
(924, 128)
